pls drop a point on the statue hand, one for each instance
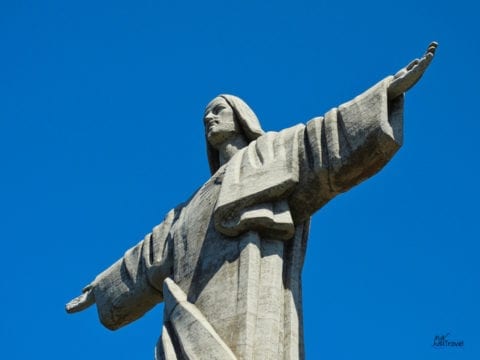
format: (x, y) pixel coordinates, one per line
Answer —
(409, 75)
(81, 302)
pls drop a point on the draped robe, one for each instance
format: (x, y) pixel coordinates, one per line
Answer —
(227, 263)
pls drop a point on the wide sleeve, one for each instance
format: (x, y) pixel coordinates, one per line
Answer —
(347, 145)
(133, 285)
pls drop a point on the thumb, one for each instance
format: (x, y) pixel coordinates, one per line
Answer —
(81, 302)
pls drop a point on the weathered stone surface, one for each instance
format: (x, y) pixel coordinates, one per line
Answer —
(228, 262)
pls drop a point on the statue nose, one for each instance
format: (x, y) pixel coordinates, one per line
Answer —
(209, 118)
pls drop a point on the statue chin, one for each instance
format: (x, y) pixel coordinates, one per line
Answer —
(217, 137)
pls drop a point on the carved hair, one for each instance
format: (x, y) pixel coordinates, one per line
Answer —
(246, 119)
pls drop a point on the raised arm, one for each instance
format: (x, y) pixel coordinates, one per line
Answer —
(351, 143)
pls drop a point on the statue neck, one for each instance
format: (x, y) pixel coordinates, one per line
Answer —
(227, 149)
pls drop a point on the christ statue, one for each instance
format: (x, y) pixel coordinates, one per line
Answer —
(227, 262)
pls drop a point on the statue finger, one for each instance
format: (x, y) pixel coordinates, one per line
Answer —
(424, 62)
(432, 47)
(81, 302)
(429, 54)
(412, 64)
(400, 73)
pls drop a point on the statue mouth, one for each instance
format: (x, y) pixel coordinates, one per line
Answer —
(211, 124)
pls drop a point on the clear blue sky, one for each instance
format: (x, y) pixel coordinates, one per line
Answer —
(101, 134)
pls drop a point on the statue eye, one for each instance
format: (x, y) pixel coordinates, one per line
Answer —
(217, 109)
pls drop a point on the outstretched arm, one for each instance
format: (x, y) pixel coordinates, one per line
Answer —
(133, 285)
(354, 141)
(407, 77)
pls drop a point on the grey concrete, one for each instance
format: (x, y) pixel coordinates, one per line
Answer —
(228, 262)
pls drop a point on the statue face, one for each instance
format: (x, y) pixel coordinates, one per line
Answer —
(219, 120)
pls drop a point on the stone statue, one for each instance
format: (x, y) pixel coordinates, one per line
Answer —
(227, 263)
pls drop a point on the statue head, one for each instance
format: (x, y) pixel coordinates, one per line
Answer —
(228, 115)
